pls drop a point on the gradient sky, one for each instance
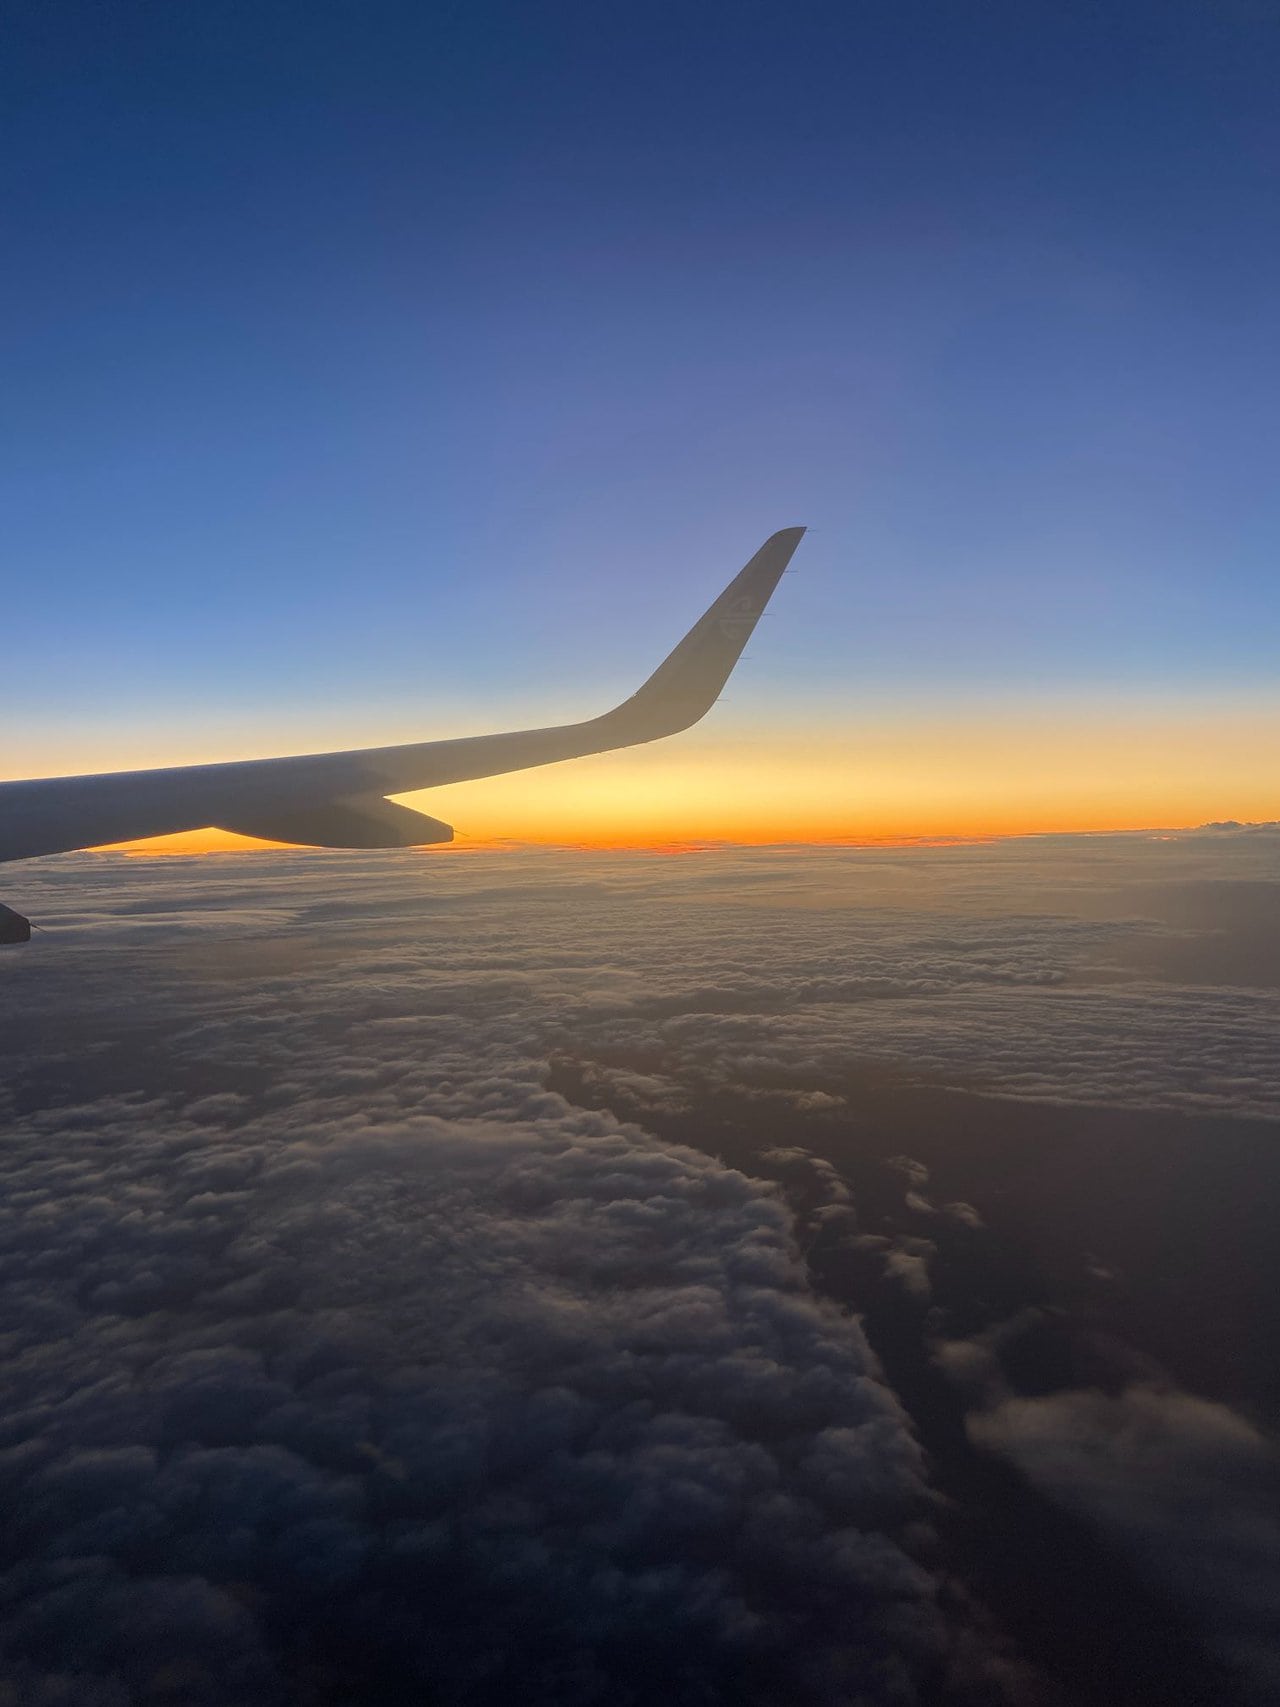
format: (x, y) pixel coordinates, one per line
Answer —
(376, 371)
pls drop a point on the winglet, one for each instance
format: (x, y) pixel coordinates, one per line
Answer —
(688, 682)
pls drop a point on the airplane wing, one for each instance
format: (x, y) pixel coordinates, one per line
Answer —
(338, 800)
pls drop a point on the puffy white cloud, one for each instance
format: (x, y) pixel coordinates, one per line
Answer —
(1187, 1487)
(1190, 1488)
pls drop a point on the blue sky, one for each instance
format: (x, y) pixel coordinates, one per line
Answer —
(405, 367)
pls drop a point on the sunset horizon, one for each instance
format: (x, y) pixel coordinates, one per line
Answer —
(640, 854)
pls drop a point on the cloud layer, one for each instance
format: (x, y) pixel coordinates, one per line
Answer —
(348, 1362)
(345, 1361)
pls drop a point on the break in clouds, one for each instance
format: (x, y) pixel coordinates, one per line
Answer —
(348, 1360)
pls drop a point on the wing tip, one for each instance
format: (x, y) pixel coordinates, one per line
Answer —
(765, 569)
(780, 546)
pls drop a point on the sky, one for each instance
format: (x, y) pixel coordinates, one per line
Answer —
(379, 371)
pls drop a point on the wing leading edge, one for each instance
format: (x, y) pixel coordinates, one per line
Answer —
(339, 799)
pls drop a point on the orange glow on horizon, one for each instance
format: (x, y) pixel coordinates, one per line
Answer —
(212, 841)
(965, 780)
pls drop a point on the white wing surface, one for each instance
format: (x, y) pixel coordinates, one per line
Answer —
(339, 799)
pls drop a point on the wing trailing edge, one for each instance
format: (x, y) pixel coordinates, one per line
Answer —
(369, 823)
